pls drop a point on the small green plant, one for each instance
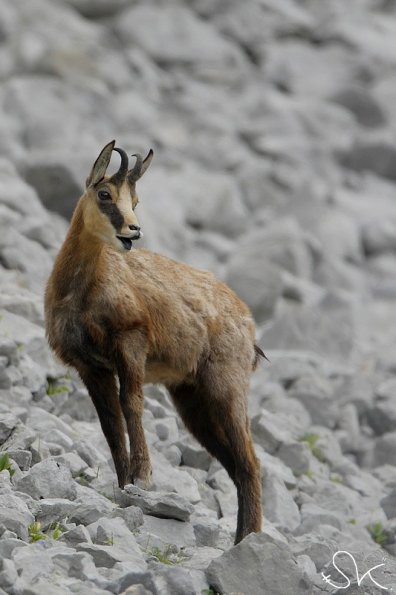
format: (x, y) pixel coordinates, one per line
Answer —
(5, 464)
(82, 480)
(352, 521)
(57, 532)
(336, 478)
(377, 533)
(166, 556)
(109, 541)
(209, 592)
(55, 389)
(35, 533)
(311, 439)
(309, 474)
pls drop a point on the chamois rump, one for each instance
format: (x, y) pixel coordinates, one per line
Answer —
(133, 314)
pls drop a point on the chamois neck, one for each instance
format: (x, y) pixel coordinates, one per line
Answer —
(77, 264)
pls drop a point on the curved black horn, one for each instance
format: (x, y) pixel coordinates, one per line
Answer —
(121, 174)
(135, 173)
(141, 166)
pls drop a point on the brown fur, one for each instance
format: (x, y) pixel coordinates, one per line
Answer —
(146, 318)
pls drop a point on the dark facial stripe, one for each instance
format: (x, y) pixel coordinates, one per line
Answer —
(111, 210)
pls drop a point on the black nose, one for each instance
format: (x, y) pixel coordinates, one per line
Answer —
(134, 227)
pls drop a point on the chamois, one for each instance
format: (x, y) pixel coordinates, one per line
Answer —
(111, 312)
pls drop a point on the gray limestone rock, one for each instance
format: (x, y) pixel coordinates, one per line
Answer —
(279, 506)
(8, 423)
(21, 438)
(54, 510)
(8, 575)
(78, 534)
(44, 421)
(271, 430)
(194, 455)
(206, 532)
(382, 417)
(357, 390)
(164, 532)
(167, 478)
(164, 505)
(362, 104)
(132, 515)
(327, 329)
(274, 466)
(257, 564)
(389, 504)
(177, 40)
(312, 516)
(248, 283)
(23, 458)
(48, 479)
(16, 521)
(385, 449)
(74, 564)
(176, 579)
(316, 394)
(104, 555)
(30, 258)
(71, 460)
(91, 506)
(113, 543)
(295, 455)
(376, 156)
(50, 176)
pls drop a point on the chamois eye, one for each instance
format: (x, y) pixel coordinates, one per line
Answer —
(104, 195)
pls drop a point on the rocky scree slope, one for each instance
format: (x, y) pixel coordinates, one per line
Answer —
(274, 128)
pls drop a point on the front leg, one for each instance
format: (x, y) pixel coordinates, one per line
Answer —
(131, 357)
(102, 389)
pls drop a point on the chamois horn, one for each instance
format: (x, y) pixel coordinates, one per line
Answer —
(135, 173)
(121, 174)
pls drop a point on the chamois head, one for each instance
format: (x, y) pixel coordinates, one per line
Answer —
(109, 201)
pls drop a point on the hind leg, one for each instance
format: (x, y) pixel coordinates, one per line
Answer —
(219, 423)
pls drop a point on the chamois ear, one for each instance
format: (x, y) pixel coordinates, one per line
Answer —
(101, 164)
(140, 166)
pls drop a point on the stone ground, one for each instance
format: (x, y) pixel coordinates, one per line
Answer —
(273, 124)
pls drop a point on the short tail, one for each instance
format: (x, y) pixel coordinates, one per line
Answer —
(258, 352)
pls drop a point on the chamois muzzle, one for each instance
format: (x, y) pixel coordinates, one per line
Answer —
(126, 240)
(137, 233)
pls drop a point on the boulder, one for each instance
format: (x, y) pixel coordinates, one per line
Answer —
(362, 104)
(259, 563)
(179, 38)
(374, 156)
(385, 449)
(279, 505)
(164, 505)
(316, 394)
(55, 184)
(48, 479)
(259, 284)
(328, 329)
